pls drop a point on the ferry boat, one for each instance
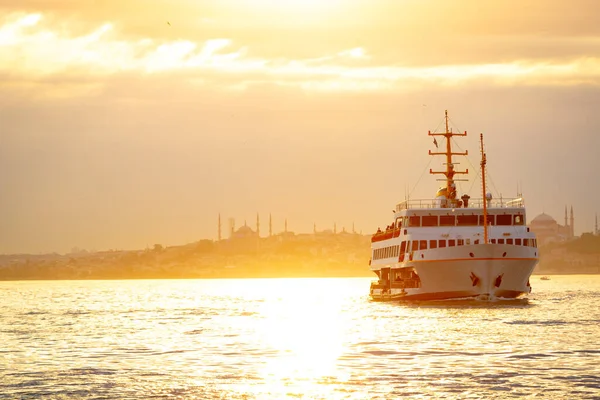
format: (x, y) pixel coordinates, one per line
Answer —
(449, 247)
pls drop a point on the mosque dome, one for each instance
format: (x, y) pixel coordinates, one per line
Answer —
(543, 218)
(245, 229)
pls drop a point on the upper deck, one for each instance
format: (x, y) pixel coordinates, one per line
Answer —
(442, 203)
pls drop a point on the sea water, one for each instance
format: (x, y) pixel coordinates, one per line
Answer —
(293, 338)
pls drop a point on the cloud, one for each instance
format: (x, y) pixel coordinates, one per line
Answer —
(33, 51)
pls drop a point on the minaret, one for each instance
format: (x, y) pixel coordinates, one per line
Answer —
(566, 223)
(231, 227)
(257, 225)
(353, 230)
(314, 228)
(334, 228)
(219, 231)
(285, 226)
(270, 226)
(572, 224)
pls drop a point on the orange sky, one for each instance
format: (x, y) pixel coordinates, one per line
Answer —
(129, 123)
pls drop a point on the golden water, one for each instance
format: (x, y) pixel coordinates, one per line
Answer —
(293, 338)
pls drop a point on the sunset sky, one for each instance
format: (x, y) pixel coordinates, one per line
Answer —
(133, 122)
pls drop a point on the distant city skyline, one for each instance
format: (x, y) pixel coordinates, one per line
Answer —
(118, 130)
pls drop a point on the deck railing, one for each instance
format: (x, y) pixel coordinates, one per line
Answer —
(457, 203)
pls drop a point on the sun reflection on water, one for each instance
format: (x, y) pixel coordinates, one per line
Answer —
(306, 331)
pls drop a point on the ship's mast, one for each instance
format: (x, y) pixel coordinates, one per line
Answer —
(483, 162)
(449, 172)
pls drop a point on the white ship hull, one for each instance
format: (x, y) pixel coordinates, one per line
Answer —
(500, 271)
(453, 246)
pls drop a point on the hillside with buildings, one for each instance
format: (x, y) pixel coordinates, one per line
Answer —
(577, 256)
(244, 254)
(561, 252)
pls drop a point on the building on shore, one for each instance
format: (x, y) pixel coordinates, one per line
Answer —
(548, 230)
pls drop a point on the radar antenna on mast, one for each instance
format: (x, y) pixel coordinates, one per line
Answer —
(450, 172)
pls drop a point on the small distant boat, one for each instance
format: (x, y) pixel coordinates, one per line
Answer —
(544, 278)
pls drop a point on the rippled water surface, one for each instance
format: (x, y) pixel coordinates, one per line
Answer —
(293, 338)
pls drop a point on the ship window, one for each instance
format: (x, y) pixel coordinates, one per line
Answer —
(403, 247)
(490, 220)
(503, 219)
(443, 243)
(429, 220)
(460, 242)
(468, 241)
(415, 245)
(447, 220)
(534, 242)
(423, 244)
(466, 220)
(518, 242)
(509, 241)
(500, 241)
(414, 220)
(493, 241)
(476, 241)
(525, 242)
(433, 244)
(519, 220)
(451, 243)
